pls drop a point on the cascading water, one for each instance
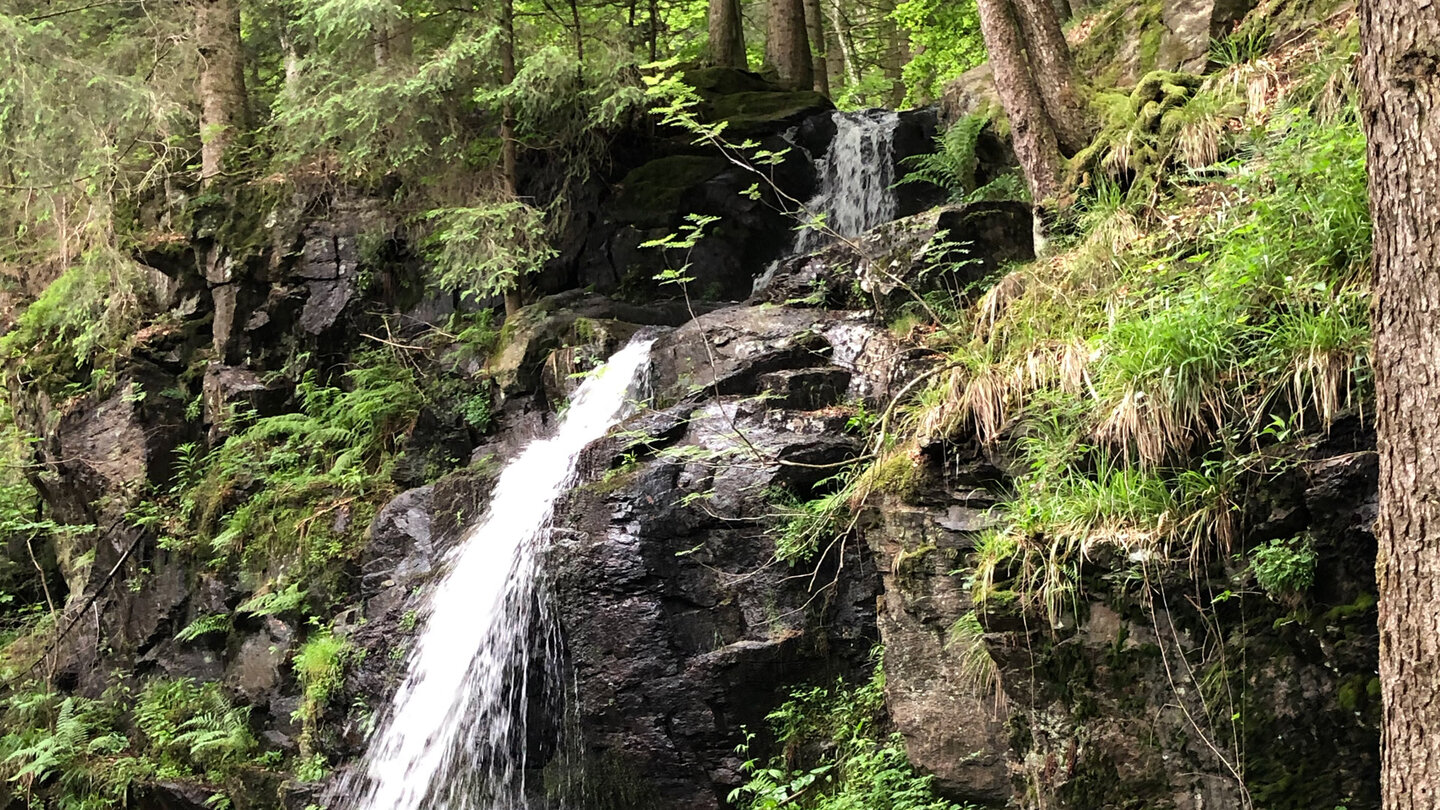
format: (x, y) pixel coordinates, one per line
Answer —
(455, 736)
(856, 179)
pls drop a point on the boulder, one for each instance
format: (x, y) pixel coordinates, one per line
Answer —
(950, 249)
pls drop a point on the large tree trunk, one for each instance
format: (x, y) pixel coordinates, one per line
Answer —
(222, 84)
(1054, 72)
(509, 161)
(1035, 143)
(394, 43)
(727, 34)
(787, 44)
(1400, 88)
(815, 25)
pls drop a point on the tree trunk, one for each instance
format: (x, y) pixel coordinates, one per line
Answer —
(1400, 91)
(845, 37)
(1054, 72)
(509, 160)
(394, 43)
(897, 54)
(815, 25)
(222, 84)
(787, 44)
(290, 55)
(1035, 143)
(727, 34)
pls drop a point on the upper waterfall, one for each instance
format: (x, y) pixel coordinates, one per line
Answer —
(857, 175)
(856, 180)
(455, 734)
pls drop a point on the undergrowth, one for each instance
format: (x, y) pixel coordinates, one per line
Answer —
(88, 753)
(833, 750)
(1204, 303)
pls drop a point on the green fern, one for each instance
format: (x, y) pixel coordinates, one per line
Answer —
(211, 623)
(953, 164)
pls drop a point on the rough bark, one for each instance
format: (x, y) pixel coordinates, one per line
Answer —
(509, 162)
(787, 44)
(727, 34)
(1035, 143)
(222, 83)
(1400, 87)
(1054, 72)
(896, 57)
(815, 25)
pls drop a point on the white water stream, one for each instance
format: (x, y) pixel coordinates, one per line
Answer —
(856, 179)
(455, 735)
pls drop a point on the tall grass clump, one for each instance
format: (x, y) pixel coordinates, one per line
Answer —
(1133, 375)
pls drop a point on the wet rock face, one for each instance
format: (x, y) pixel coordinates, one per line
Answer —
(1161, 683)
(681, 625)
(888, 267)
(950, 712)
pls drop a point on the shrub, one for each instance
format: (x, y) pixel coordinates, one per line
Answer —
(1285, 569)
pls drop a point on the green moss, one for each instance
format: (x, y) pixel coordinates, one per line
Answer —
(897, 474)
(236, 217)
(1359, 608)
(651, 195)
(751, 113)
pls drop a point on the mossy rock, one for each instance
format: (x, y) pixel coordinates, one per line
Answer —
(651, 195)
(723, 81)
(755, 113)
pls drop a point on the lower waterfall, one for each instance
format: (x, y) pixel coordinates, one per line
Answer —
(455, 734)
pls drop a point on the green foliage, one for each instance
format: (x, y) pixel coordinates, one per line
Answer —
(1285, 568)
(952, 165)
(320, 667)
(945, 40)
(1138, 375)
(205, 625)
(862, 767)
(79, 324)
(274, 602)
(300, 470)
(85, 753)
(480, 252)
(805, 525)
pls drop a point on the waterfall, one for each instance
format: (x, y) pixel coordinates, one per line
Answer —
(856, 176)
(856, 180)
(455, 735)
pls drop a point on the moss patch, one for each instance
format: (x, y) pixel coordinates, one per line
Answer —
(651, 195)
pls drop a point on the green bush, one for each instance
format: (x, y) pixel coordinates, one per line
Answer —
(863, 767)
(1285, 568)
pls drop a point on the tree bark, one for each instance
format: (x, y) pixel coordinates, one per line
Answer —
(223, 114)
(1054, 72)
(815, 25)
(579, 32)
(1035, 143)
(509, 159)
(787, 44)
(897, 55)
(727, 34)
(845, 36)
(394, 43)
(1400, 93)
